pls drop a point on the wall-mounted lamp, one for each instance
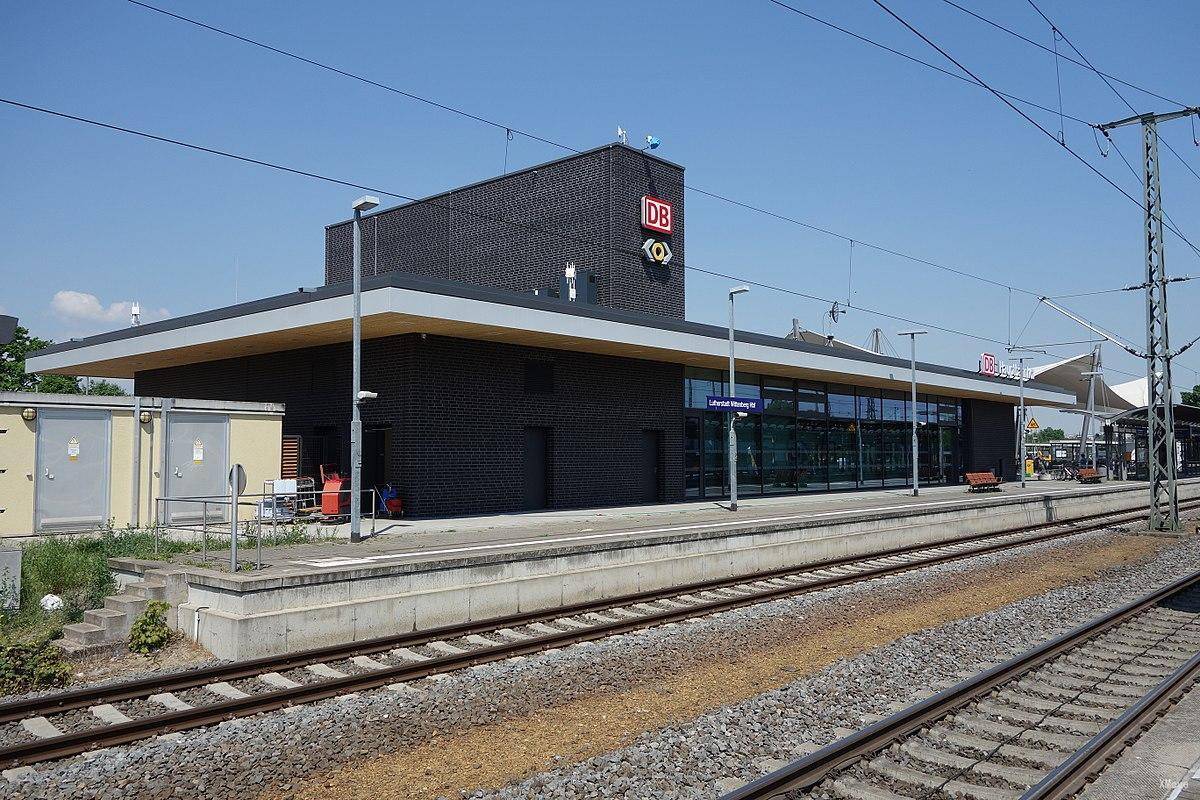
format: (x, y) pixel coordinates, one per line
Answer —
(145, 417)
(29, 414)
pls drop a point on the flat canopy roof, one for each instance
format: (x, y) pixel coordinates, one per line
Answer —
(396, 303)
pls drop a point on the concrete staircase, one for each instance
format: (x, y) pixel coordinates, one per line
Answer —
(108, 626)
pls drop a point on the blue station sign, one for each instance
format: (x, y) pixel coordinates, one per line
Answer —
(745, 405)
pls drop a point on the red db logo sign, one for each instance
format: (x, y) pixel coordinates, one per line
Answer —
(657, 215)
(987, 364)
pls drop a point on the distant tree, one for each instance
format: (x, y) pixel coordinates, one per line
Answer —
(105, 388)
(14, 378)
(1192, 398)
(1043, 435)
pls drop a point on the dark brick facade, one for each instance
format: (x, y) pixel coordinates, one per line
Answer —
(517, 232)
(455, 411)
(990, 438)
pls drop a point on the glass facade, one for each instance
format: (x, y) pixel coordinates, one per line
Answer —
(816, 437)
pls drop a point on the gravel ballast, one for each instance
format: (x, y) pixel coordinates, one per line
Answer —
(696, 759)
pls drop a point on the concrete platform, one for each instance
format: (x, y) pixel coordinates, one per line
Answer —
(417, 575)
(1164, 764)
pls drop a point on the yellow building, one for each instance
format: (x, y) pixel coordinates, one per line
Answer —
(77, 462)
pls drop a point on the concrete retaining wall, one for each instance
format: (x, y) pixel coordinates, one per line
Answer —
(246, 616)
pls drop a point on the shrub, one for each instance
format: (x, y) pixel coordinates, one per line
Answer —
(28, 659)
(150, 631)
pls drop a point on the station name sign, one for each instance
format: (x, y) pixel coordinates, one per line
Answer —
(988, 365)
(745, 405)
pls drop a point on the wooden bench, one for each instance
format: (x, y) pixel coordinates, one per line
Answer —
(982, 482)
(1088, 475)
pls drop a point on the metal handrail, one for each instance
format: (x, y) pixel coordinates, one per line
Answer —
(254, 501)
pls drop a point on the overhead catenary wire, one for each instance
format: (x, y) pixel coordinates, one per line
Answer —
(432, 203)
(1109, 84)
(510, 129)
(1106, 76)
(1025, 116)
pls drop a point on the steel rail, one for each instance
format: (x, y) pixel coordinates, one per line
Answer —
(808, 772)
(122, 733)
(1066, 780)
(188, 679)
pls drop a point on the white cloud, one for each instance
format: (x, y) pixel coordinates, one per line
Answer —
(72, 306)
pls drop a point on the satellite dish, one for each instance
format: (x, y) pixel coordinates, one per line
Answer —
(652, 142)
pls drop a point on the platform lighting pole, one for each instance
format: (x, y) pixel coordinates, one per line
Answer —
(1021, 423)
(364, 203)
(916, 475)
(1160, 406)
(733, 414)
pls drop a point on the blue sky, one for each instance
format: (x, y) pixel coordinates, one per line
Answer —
(758, 103)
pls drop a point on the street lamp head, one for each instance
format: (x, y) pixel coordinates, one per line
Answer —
(738, 290)
(365, 203)
(911, 333)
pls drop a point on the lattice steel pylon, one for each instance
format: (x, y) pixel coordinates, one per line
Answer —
(1160, 401)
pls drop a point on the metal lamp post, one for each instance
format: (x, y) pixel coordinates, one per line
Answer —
(916, 476)
(732, 414)
(364, 203)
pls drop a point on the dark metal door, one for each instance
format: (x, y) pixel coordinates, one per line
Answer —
(537, 468)
(651, 469)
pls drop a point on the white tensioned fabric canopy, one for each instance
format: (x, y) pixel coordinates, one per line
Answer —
(1068, 374)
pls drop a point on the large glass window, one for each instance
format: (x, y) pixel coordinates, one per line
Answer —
(714, 454)
(927, 410)
(949, 442)
(779, 397)
(748, 385)
(895, 406)
(698, 384)
(814, 436)
(749, 457)
(948, 411)
(779, 453)
(811, 456)
(870, 405)
(692, 454)
(843, 454)
(841, 401)
(870, 454)
(929, 450)
(897, 454)
(810, 400)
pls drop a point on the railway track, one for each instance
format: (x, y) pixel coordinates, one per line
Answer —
(1038, 727)
(68, 723)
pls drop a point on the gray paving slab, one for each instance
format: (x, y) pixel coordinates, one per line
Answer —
(1163, 764)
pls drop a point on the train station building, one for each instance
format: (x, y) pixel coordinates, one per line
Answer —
(503, 384)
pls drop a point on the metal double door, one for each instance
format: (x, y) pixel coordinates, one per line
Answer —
(71, 490)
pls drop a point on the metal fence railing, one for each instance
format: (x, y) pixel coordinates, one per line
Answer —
(222, 516)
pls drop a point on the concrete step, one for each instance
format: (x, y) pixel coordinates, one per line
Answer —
(115, 623)
(151, 590)
(83, 633)
(128, 603)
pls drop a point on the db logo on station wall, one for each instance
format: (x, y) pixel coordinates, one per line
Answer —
(657, 215)
(987, 364)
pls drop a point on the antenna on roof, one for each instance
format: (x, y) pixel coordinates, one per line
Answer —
(621, 135)
(836, 310)
(135, 314)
